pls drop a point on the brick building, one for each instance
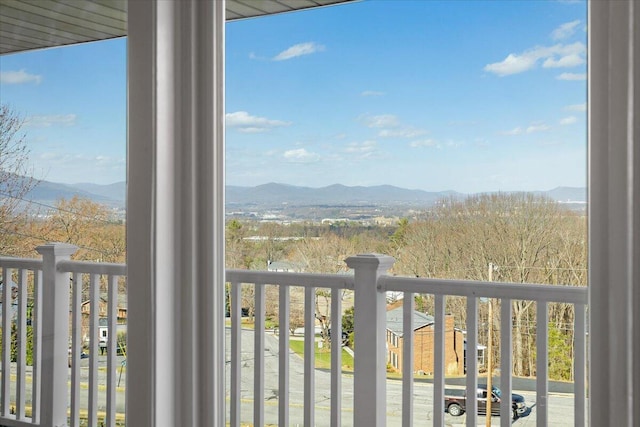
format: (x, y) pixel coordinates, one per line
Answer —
(423, 331)
(103, 330)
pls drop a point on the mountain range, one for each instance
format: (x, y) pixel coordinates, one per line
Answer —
(277, 195)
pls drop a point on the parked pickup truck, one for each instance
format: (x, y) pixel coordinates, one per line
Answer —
(454, 401)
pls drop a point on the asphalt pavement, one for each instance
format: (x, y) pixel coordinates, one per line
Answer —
(560, 405)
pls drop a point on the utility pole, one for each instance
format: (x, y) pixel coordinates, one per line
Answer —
(489, 351)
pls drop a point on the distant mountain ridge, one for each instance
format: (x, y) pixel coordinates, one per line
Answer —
(336, 194)
(277, 195)
(116, 191)
(46, 192)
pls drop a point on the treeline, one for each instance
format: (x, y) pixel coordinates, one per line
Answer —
(529, 239)
(90, 226)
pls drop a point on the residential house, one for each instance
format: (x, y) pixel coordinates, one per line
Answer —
(103, 330)
(424, 339)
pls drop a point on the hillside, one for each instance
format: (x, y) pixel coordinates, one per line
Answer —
(273, 195)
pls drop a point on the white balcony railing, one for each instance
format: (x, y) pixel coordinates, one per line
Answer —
(47, 300)
(370, 285)
(48, 295)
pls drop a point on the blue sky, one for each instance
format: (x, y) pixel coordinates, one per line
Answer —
(436, 95)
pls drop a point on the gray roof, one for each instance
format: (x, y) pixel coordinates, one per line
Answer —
(394, 320)
(283, 266)
(38, 24)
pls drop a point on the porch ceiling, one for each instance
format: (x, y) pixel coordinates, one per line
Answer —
(37, 24)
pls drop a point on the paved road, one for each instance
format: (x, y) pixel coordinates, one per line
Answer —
(84, 379)
(560, 406)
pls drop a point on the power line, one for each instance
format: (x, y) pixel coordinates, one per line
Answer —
(56, 208)
(544, 268)
(42, 239)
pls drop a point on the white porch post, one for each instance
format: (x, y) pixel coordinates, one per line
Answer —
(55, 334)
(370, 363)
(175, 213)
(614, 212)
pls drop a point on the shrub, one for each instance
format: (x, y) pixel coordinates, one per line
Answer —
(14, 343)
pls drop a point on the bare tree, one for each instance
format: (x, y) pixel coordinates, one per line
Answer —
(529, 237)
(15, 174)
(325, 254)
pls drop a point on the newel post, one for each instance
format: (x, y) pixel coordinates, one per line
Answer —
(370, 363)
(55, 334)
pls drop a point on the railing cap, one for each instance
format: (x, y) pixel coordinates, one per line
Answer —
(377, 261)
(57, 249)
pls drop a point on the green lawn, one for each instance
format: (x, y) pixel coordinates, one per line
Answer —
(323, 356)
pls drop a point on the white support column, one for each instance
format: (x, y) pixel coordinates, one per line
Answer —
(175, 213)
(369, 383)
(614, 212)
(55, 334)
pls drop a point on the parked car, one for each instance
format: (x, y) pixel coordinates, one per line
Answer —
(83, 355)
(455, 401)
(345, 337)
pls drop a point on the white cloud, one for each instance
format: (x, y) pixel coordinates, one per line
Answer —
(256, 57)
(299, 50)
(572, 60)
(246, 123)
(532, 128)
(423, 143)
(51, 120)
(381, 121)
(565, 30)
(576, 107)
(19, 77)
(572, 76)
(559, 55)
(401, 133)
(512, 64)
(300, 155)
(363, 148)
(514, 131)
(372, 93)
(390, 126)
(540, 127)
(568, 120)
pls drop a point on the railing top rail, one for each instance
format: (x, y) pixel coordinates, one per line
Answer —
(25, 263)
(480, 289)
(92, 268)
(290, 279)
